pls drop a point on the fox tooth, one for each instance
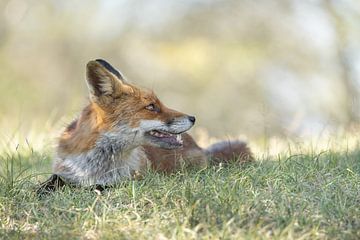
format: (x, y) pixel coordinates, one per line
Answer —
(178, 138)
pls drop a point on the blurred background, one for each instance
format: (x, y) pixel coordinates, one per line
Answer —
(254, 69)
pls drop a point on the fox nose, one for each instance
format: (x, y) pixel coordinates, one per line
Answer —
(191, 119)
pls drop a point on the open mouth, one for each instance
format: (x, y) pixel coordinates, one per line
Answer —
(166, 139)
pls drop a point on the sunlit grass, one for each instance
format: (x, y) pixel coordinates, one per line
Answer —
(303, 195)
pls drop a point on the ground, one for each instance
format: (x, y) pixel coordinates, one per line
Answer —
(302, 196)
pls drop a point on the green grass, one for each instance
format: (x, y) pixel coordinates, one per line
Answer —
(308, 196)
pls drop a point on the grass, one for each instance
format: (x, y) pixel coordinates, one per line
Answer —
(305, 196)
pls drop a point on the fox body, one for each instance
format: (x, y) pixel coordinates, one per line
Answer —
(125, 130)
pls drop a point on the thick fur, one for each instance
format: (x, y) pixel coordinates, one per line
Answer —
(126, 130)
(229, 151)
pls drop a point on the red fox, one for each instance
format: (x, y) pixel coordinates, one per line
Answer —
(126, 130)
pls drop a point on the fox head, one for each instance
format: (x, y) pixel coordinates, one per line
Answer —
(123, 109)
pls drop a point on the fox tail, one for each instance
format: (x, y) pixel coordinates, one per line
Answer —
(229, 151)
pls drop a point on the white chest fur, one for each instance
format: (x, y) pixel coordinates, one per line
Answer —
(91, 168)
(111, 160)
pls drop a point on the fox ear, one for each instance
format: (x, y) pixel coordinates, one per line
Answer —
(104, 81)
(110, 68)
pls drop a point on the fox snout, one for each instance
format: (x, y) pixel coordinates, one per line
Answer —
(190, 118)
(181, 124)
(166, 134)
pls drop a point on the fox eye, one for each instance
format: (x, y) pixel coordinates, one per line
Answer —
(151, 107)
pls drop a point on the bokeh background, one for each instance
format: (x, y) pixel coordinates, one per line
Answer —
(254, 69)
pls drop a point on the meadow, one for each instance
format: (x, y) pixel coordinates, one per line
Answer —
(307, 195)
(284, 74)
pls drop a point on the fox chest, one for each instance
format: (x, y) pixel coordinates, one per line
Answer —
(101, 167)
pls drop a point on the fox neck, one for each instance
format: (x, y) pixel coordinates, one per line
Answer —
(90, 153)
(119, 141)
(92, 130)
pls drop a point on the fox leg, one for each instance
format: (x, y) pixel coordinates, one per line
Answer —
(55, 182)
(52, 184)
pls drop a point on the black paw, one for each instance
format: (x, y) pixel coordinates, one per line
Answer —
(50, 185)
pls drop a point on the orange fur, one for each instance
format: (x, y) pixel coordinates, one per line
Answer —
(168, 161)
(81, 135)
